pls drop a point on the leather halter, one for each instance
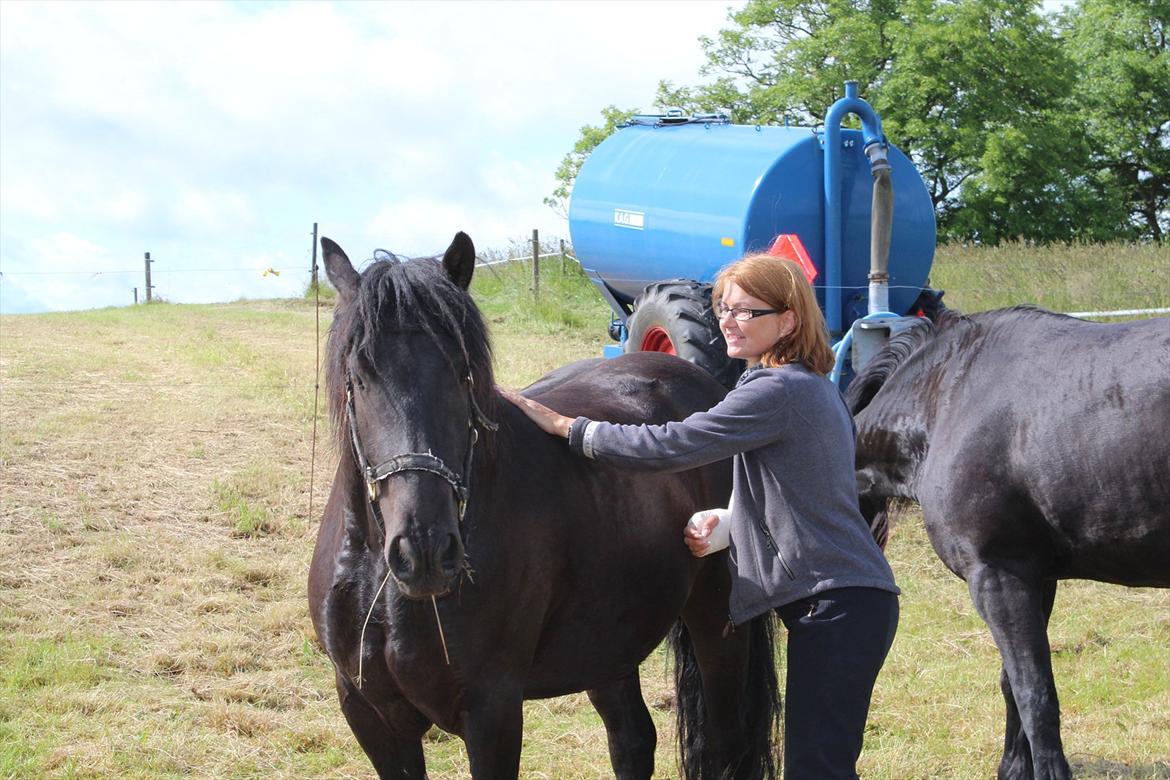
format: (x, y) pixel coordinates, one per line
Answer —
(417, 461)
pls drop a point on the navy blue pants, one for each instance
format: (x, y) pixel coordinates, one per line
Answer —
(837, 643)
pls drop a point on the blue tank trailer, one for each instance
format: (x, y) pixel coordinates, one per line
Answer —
(664, 203)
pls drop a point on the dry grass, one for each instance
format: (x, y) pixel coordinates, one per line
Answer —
(172, 637)
(155, 539)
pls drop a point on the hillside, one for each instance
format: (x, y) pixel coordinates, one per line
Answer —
(155, 535)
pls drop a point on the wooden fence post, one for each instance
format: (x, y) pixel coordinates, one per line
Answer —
(562, 258)
(313, 270)
(148, 285)
(535, 263)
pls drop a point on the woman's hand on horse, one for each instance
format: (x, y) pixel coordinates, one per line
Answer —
(548, 420)
(696, 536)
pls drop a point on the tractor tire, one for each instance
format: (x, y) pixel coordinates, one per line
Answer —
(675, 317)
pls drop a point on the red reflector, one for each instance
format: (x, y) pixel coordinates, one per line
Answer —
(789, 246)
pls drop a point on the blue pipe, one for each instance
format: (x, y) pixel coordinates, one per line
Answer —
(871, 133)
(841, 348)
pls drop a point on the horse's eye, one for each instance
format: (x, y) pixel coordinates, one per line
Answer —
(355, 378)
(360, 365)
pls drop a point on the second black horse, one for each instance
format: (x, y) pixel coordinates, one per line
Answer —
(1038, 447)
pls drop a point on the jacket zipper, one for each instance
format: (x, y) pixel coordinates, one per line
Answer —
(776, 549)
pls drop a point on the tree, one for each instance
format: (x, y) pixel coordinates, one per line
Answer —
(789, 59)
(1098, 167)
(1122, 57)
(1022, 125)
(972, 83)
(946, 77)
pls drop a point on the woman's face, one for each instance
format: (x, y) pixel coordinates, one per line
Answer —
(750, 339)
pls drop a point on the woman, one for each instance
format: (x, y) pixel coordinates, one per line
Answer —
(799, 544)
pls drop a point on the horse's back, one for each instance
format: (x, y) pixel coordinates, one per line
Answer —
(638, 387)
(1059, 383)
(559, 376)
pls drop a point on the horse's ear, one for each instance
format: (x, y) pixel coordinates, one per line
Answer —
(459, 260)
(340, 270)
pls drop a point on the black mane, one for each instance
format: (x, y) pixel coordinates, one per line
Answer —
(870, 379)
(397, 295)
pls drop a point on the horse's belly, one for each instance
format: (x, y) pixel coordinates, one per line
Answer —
(591, 639)
(589, 665)
(1141, 565)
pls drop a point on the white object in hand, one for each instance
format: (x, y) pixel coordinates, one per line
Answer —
(720, 535)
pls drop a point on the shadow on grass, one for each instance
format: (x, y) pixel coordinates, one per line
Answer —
(1094, 768)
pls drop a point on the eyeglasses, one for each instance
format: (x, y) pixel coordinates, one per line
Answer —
(742, 314)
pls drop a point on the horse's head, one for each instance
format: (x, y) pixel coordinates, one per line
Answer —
(890, 429)
(409, 371)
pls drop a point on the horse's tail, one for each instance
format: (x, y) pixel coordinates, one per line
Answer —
(880, 528)
(760, 712)
(876, 512)
(689, 707)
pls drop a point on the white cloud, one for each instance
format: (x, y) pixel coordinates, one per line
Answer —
(196, 210)
(64, 199)
(216, 133)
(421, 226)
(64, 250)
(60, 265)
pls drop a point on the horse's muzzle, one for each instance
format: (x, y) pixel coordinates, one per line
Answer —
(426, 567)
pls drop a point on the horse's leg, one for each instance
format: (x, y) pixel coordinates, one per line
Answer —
(1014, 610)
(493, 731)
(628, 727)
(391, 755)
(1017, 753)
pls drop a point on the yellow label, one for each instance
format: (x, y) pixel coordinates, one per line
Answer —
(727, 241)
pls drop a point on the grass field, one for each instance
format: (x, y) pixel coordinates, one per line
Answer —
(155, 535)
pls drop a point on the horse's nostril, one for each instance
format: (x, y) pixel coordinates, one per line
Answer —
(401, 557)
(451, 556)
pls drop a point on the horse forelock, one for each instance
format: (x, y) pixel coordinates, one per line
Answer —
(396, 296)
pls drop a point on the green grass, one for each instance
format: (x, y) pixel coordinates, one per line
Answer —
(243, 500)
(564, 298)
(245, 519)
(1078, 277)
(155, 534)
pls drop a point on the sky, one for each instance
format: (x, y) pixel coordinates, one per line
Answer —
(213, 135)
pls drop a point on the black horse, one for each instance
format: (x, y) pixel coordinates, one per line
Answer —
(1038, 447)
(467, 561)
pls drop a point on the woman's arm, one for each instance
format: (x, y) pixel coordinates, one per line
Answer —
(548, 420)
(748, 417)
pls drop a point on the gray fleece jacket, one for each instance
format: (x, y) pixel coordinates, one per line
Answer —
(796, 529)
